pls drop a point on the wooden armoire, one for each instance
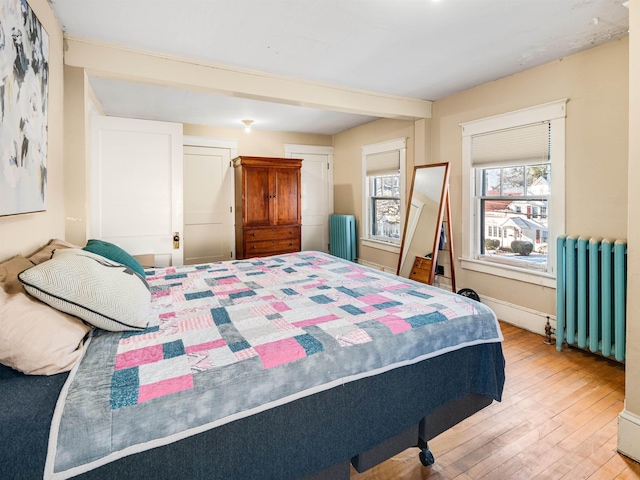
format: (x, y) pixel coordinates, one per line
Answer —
(268, 210)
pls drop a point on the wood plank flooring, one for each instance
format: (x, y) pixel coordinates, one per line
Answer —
(557, 420)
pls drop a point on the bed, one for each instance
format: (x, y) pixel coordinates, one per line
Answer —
(283, 367)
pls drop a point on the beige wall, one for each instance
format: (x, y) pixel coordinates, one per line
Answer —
(76, 144)
(633, 306)
(629, 425)
(596, 84)
(347, 173)
(21, 234)
(260, 143)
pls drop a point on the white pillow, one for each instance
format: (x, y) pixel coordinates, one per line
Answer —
(103, 293)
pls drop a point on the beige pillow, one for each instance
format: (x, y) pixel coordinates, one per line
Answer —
(9, 271)
(45, 252)
(35, 338)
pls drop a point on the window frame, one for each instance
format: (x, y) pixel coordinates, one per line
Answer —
(555, 114)
(369, 240)
(372, 205)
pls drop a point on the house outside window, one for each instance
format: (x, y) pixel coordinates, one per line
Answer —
(513, 193)
(383, 166)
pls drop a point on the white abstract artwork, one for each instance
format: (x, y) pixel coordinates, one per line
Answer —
(24, 71)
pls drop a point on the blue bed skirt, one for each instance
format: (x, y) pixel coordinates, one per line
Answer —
(287, 442)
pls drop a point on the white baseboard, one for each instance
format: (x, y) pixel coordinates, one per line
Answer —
(629, 435)
(376, 266)
(522, 317)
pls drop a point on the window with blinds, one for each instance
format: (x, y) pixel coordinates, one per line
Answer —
(383, 194)
(513, 192)
(513, 186)
(383, 178)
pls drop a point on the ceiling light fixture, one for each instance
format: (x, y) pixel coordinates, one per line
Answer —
(247, 125)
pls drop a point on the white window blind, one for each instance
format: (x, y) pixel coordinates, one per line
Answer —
(385, 163)
(526, 145)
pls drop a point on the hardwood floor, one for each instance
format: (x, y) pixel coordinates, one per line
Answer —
(557, 420)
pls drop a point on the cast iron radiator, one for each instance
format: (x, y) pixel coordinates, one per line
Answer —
(343, 242)
(591, 294)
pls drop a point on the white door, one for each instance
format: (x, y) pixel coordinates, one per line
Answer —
(317, 193)
(208, 225)
(136, 186)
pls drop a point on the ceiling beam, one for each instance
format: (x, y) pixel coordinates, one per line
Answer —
(122, 63)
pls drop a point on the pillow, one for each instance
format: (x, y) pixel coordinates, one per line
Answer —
(9, 271)
(103, 293)
(34, 338)
(45, 252)
(114, 253)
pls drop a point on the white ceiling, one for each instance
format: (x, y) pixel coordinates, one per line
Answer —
(425, 49)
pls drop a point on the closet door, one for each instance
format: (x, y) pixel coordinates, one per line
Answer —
(136, 186)
(317, 193)
(207, 205)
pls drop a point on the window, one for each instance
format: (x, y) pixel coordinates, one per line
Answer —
(513, 195)
(383, 187)
(384, 207)
(508, 200)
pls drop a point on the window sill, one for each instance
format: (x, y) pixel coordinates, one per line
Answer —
(389, 247)
(523, 275)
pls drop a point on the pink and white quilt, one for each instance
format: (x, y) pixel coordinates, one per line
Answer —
(231, 339)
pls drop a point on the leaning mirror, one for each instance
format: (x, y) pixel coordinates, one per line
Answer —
(423, 223)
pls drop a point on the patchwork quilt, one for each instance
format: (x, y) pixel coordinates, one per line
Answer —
(228, 340)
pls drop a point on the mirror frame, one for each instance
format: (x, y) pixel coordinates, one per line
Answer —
(441, 212)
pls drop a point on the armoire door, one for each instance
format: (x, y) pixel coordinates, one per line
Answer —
(286, 190)
(257, 201)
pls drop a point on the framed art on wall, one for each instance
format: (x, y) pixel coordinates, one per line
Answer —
(24, 70)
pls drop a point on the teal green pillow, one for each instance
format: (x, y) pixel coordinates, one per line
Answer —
(115, 254)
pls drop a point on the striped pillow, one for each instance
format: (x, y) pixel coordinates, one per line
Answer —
(101, 292)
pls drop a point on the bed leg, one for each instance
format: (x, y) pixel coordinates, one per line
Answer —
(425, 455)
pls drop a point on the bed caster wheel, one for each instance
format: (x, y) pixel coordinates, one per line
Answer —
(426, 457)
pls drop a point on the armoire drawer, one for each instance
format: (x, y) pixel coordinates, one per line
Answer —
(271, 233)
(271, 246)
